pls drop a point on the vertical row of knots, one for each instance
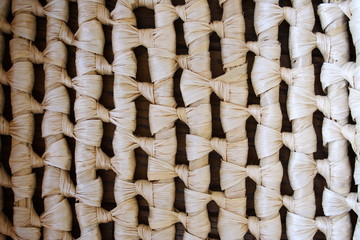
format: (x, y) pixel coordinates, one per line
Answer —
(268, 174)
(300, 49)
(352, 11)
(334, 106)
(21, 79)
(89, 113)
(333, 21)
(6, 227)
(160, 42)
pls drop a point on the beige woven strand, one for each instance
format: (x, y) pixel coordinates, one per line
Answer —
(21, 80)
(6, 227)
(88, 130)
(57, 185)
(301, 224)
(235, 66)
(197, 30)
(334, 23)
(351, 9)
(160, 43)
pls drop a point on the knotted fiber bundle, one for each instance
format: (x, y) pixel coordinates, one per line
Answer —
(201, 125)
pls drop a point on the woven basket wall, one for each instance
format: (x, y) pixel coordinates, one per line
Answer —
(231, 120)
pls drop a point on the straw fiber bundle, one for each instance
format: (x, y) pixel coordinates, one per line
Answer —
(90, 97)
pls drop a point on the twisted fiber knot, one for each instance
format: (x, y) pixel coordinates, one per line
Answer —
(255, 111)
(182, 218)
(67, 188)
(181, 113)
(103, 15)
(289, 202)
(4, 126)
(347, 71)
(66, 79)
(5, 26)
(289, 15)
(145, 189)
(253, 46)
(38, 57)
(183, 172)
(3, 77)
(323, 103)
(323, 167)
(219, 198)
(36, 107)
(289, 140)
(103, 216)
(144, 232)
(103, 161)
(181, 11)
(146, 37)
(183, 61)
(287, 75)
(219, 145)
(102, 65)
(221, 89)
(254, 172)
(349, 132)
(102, 112)
(254, 226)
(147, 90)
(147, 144)
(67, 126)
(324, 225)
(352, 201)
(218, 27)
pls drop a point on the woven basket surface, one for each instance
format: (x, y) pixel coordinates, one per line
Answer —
(216, 95)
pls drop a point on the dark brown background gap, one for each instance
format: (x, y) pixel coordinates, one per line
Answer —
(147, 15)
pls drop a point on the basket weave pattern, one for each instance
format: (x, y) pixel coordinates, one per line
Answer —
(338, 78)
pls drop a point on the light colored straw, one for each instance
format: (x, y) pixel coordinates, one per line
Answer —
(21, 80)
(6, 227)
(57, 185)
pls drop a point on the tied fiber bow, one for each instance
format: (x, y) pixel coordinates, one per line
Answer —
(197, 201)
(127, 89)
(268, 203)
(269, 141)
(125, 141)
(302, 103)
(159, 169)
(303, 41)
(299, 227)
(270, 77)
(304, 168)
(232, 174)
(232, 224)
(198, 224)
(228, 86)
(125, 190)
(233, 115)
(161, 117)
(332, 73)
(336, 204)
(131, 37)
(268, 15)
(332, 131)
(197, 147)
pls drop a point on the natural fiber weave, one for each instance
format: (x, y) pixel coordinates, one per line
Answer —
(75, 120)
